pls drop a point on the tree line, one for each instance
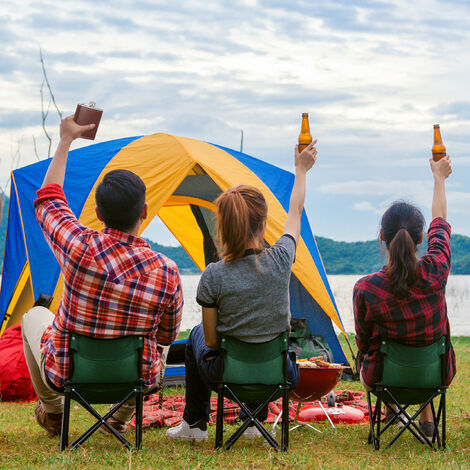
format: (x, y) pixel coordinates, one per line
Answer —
(338, 257)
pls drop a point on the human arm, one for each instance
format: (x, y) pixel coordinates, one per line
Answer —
(69, 131)
(440, 170)
(303, 162)
(207, 298)
(209, 324)
(58, 223)
(363, 330)
(170, 319)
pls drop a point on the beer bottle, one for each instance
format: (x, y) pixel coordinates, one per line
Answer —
(305, 137)
(438, 149)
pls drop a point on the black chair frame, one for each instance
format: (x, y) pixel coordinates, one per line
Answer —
(385, 395)
(224, 391)
(71, 391)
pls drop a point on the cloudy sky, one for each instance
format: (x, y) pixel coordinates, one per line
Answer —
(373, 75)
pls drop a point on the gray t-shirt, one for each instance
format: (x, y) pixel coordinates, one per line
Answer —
(251, 293)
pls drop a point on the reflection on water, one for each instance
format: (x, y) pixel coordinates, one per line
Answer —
(458, 302)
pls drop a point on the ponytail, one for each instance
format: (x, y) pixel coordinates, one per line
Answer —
(402, 228)
(241, 211)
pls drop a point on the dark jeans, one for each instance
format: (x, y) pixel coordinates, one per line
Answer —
(202, 376)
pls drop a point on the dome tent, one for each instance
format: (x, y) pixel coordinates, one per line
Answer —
(183, 177)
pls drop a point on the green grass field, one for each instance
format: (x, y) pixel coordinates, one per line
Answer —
(24, 445)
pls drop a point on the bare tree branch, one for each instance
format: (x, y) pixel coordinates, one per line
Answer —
(44, 117)
(36, 148)
(48, 85)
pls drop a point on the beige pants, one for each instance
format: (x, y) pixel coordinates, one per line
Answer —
(34, 323)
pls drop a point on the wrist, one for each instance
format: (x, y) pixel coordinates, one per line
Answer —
(299, 170)
(66, 141)
(439, 178)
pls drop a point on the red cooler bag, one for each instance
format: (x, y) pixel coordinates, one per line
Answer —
(15, 382)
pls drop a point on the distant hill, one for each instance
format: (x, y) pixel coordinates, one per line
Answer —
(338, 257)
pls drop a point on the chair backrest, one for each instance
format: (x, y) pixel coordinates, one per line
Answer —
(255, 363)
(104, 369)
(412, 367)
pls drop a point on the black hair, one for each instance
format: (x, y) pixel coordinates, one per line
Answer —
(120, 198)
(402, 227)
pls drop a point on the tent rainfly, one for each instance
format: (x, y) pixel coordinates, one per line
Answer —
(183, 177)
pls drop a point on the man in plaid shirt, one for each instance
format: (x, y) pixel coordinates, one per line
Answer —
(114, 284)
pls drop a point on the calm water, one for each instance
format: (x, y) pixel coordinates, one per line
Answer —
(458, 302)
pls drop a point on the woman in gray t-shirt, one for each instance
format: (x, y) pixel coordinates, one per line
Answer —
(245, 294)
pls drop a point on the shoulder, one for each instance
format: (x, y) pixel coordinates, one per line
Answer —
(371, 282)
(285, 246)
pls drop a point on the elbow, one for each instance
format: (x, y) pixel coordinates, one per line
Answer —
(211, 343)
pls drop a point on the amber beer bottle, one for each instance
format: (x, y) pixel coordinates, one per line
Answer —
(438, 149)
(305, 137)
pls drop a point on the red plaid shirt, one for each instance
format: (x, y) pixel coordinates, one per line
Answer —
(114, 285)
(417, 320)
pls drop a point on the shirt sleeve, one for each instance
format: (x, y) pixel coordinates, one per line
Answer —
(170, 320)
(58, 223)
(437, 260)
(284, 250)
(207, 295)
(363, 330)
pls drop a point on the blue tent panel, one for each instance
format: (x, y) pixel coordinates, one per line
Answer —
(13, 264)
(303, 305)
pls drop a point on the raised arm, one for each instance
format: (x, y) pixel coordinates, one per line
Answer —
(440, 170)
(69, 131)
(303, 162)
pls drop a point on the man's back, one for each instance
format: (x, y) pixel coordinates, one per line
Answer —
(114, 285)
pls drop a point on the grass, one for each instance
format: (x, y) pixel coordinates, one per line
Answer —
(23, 444)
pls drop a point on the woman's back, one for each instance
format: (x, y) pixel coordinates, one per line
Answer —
(251, 293)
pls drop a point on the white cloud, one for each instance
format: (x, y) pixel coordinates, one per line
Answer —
(366, 206)
(374, 77)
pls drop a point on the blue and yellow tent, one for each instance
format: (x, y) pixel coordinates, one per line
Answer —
(183, 177)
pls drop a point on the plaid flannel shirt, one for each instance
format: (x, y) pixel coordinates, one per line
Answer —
(114, 285)
(416, 320)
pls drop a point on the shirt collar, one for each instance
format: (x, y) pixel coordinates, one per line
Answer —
(124, 237)
(251, 251)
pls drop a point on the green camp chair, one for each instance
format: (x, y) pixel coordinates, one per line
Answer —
(253, 373)
(104, 371)
(411, 375)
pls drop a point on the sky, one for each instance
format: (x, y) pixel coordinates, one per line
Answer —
(374, 77)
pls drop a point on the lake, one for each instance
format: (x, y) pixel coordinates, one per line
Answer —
(458, 301)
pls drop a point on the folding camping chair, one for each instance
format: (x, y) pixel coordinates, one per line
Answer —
(411, 375)
(103, 371)
(254, 373)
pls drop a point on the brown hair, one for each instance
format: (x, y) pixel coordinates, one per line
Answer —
(241, 213)
(402, 228)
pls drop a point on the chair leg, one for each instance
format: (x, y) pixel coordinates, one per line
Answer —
(443, 398)
(436, 436)
(371, 439)
(285, 421)
(139, 405)
(64, 432)
(378, 416)
(219, 424)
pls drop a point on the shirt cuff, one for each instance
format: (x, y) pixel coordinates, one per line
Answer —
(205, 304)
(50, 191)
(439, 222)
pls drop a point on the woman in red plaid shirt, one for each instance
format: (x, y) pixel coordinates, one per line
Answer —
(405, 300)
